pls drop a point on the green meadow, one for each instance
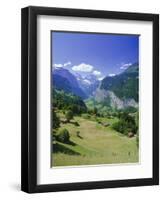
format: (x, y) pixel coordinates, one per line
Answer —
(92, 141)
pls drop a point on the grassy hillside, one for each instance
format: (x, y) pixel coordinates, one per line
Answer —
(95, 143)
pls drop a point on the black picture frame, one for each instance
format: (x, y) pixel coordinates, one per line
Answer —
(29, 99)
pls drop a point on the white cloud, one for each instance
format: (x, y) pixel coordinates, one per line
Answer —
(83, 67)
(96, 73)
(57, 65)
(67, 63)
(125, 66)
(111, 75)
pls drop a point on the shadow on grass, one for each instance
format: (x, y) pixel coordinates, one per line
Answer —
(70, 122)
(79, 136)
(59, 148)
(71, 143)
(74, 123)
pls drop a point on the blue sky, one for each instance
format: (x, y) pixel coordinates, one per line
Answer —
(99, 54)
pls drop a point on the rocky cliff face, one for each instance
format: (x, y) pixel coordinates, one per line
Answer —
(115, 102)
(120, 91)
(124, 85)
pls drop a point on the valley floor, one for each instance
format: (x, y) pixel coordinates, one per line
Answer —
(95, 144)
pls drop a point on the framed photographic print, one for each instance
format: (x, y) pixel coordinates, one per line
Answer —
(90, 99)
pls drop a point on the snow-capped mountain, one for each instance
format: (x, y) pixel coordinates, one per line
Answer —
(89, 83)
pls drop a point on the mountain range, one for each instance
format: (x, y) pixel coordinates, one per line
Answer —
(120, 91)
